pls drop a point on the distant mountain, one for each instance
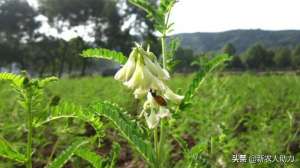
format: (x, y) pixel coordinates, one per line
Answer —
(241, 39)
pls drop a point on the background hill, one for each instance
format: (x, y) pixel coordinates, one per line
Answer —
(241, 39)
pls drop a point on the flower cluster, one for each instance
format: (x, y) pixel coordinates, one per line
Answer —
(142, 73)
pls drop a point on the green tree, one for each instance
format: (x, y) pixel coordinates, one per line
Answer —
(102, 15)
(257, 57)
(75, 46)
(282, 57)
(236, 63)
(184, 57)
(17, 26)
(296, 57)
(229, 49)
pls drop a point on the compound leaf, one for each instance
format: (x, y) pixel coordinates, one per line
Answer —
(104, 54)
(128, 128)
(67, 153)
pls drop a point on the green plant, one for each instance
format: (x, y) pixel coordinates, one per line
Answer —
(30, 97)
(143, 73)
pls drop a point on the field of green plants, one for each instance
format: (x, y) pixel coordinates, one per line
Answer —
(148, 116)
(233, 114)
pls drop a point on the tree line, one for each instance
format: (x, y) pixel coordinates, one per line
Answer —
(256, 57)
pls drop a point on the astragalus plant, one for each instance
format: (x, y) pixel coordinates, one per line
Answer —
(146, 75)
(37, 111)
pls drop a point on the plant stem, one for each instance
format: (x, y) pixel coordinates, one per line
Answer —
(163, 38)
(156, 147)
(159, 145)
(29, 134)
(52, 152)
(163, 49)
(161, 141)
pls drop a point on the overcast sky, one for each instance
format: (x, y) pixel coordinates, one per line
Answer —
(223, 15)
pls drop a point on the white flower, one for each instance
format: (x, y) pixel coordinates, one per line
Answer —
(143, 73)
(153, 119)
(127, 70)
(142, 80)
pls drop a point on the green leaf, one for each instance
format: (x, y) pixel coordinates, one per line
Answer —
(198, 149)
(48, 80)
(70, 110)
(129, 129)
(144, 5)
(207, 68)
(171, 50)
(15, 79)
(7, 151)
(105, 54)
(157, 13)
(93, 158)
(68, 153)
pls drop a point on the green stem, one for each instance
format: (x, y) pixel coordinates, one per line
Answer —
(29, 134)
(156, 147)
(159, 145)
(163, 38)
(161, 141)
(163, 50)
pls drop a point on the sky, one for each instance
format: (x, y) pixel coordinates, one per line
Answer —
(221, 15)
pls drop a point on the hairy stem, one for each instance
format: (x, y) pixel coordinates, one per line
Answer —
(29, 134)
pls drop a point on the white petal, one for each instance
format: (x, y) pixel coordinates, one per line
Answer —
(156, 69)
(147, 105)
(152, 120)
(136, 78)
(139, 93)
(151, 101)
(166, 74)
(127, 70)
(169, 94)
(120, 75)
(152, 82)
(163, 112)
(131, 63)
